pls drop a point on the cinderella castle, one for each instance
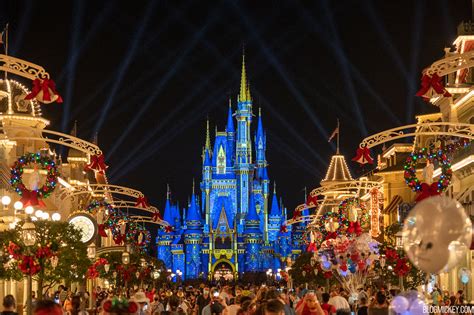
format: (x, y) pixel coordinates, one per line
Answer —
(232, 227)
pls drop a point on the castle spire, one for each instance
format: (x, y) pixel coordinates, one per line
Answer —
(168, 192)
(274, 187)
(244, 95)
(208, 136)
(230, 122)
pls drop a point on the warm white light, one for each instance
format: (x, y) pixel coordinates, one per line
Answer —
(45, 216)
(6, 200)
(34, 218)
(18, 205)
(39, 214)
(56, 216)
(29, 210)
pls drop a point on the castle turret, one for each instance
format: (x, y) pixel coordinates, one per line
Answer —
(274, 218)
(193, 240)
(253, 238)
(165, 236)
(230, 135)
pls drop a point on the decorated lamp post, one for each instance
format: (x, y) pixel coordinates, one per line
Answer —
(28, 236)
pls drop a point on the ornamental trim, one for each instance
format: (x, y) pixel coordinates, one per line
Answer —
(426, 129)
(22, 68)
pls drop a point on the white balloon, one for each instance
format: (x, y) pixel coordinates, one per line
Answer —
(418, 307)
(433, 227)
(400, 304)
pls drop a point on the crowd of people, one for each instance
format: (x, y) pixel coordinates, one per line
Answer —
(225, 300)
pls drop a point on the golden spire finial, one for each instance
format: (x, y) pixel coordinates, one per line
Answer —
(208, 137)
(259, 112)
(244, 95)
(168, 192)
(274, 187)
(193, 185)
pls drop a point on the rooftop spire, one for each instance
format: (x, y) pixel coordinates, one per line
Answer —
(208, 136)
(244, 95)
(168, 192)
(74, 129)
(230, 122)
(274, 187)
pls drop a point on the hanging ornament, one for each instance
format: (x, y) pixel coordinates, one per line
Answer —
(44, 91)
(431, 86)
(363, 156)
(33, 197)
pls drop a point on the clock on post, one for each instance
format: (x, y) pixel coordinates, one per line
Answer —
(86, 223)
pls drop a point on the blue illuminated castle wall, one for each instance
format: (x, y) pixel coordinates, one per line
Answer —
(236, 219)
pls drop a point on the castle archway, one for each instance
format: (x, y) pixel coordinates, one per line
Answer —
(223, 269)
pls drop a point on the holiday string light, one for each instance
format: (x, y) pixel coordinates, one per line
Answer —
(374, 213)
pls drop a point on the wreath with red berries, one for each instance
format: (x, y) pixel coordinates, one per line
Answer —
(410, 168)
(16, 177)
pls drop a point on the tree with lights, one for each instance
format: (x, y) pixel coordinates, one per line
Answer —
(55, 255)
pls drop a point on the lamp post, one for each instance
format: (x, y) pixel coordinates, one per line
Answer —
(179, 273)
(28, 235)
(399, 245)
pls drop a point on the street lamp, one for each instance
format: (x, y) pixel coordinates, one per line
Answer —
(125, 258)
(18, 205)
(28, 235)
(179, 273)
(6, 200)
(90, 250)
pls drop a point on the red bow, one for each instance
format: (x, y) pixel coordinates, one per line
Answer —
(327, 274)
(47, 86)
(331, 235)
(296, 214)
(311, 201)
(44, 252)
(30, 198)
(354, 228)
(101, 230)
(157, 216)
(427, 191)
(97, 164)
(14, 250)
(168, 229)
(363, 156)
(118, 239)
(402, 268)
(283, 229)
(142, 202)
(29, 265)
(391, 254)
(430, 84)
(355, 257)
(311, 248)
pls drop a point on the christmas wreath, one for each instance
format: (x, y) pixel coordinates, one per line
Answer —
(96, 204)
(362, 220)
(335, 217)
(138, 235)
(410, 169)
(31, 197)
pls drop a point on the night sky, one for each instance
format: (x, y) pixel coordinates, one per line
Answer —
(145, 75)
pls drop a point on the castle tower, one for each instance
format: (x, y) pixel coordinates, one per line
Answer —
(243, 160)
(274, 220)
(206, 183)
(253, 239)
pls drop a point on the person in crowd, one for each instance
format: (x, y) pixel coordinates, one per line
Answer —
(309, 305)
(156, 307)
(203, 300)
(319, 292)
(142, 301)
(459, 298)
(62, 294)
(217, 305)
(233, 308)
(380, 305)
(363, 308)
(76, 307)
(47, 307)
(339, 302)
(274, 307)
(9, 305)
(329, 308)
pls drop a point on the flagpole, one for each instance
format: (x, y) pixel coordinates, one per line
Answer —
(6, 46)
(338, 132)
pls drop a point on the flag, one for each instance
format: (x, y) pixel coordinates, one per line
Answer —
(335, 132)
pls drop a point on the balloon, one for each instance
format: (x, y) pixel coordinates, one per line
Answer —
(436, 234)
(400, 304)
(326, 265)
(464, 275)
(418, 307)
(352, 268)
